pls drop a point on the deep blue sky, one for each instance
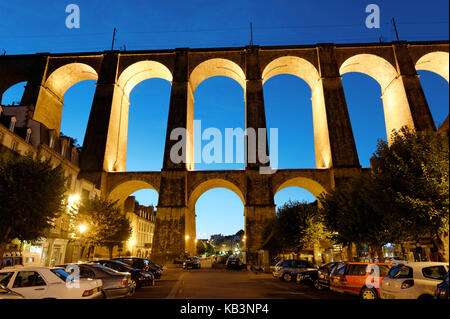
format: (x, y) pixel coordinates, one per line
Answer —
(30, 27)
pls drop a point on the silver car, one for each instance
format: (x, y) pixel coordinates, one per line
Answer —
(287, 270)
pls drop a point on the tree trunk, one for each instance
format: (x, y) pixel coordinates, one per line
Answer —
(441, 242)
(110, 248)
(3, 244)
(379, 251)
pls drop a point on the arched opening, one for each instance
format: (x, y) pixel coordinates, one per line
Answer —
(298, 111)
(216, 207)
(433, 69)
(395, 103)
(49, 106)
(219, 116)
(148, 113)
(362, 94)
(296, 200)
(77, 106)
(13, 95)
(121, 192)
(150, 117)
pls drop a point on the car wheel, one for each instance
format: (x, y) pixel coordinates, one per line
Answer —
(426, 297)
(133, 284)
(317, 285)
(368, 293)
(287, 277)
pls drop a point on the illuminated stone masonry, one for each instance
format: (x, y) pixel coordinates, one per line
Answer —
(103, 159)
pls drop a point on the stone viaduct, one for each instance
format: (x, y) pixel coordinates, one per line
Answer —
(393, 65)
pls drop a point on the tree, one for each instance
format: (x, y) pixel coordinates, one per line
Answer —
(106, 224)
(31, 196)
(201, 247)
(297, 225)
(359, 212)
(404, 197)
(414, 169)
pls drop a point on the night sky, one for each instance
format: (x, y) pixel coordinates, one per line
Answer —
(31, 27)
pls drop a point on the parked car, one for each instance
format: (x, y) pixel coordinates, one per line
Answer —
(287, 270)
(413, 280)
(442, 289)
(6, 293)
(233, 263)
(308, 277)
(192, 262)
(323, 276)
(143, 264)
(359, 278)
(49, 283)
(115, 284)
(139, 278)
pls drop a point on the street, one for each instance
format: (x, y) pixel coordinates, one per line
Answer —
(208, 283)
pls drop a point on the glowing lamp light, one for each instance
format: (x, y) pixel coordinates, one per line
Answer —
(196, 240)
(133, 242)
(186, 237)
(73, 199)
(82, 228)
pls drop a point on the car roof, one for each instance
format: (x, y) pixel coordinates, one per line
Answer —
(425, 264)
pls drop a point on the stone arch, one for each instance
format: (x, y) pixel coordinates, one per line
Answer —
(292, 65)
(60, 80)
(4, 90)
(140, 71)
(125, 189)
(216, 67)
(127, 80)
(436, 62)
(50, 101)
(209, 184)
(395, 103)
(308, 72)
(309, 184)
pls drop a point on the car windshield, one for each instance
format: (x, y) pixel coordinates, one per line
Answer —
(62, 274)
(434, 272)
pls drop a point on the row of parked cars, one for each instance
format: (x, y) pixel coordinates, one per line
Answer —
(112, 278)
(404, 280)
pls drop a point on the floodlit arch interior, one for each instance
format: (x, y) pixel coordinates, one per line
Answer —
(437, 62)
(307, 72)
(395, 103)
(122, 191)
(306, 183)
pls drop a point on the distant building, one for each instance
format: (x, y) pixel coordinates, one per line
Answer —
(142, 219)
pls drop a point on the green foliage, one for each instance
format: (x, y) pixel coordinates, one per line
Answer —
(414, 169)
(106, 225)
(296, 225)
(31, 196)
(405, 195)
(201, 247)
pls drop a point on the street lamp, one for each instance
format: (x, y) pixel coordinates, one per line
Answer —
(186, 237)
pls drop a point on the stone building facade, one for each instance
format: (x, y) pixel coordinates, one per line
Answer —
(22, 135)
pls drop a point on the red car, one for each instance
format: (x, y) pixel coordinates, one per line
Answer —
(363, 279)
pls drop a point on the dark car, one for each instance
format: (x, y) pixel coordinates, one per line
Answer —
(115, 284)
(442, 289)
(143, 264)
(192, 262)
(323, 276)
(287, 270)
(139, 278)
(233, 263)
(308, 277)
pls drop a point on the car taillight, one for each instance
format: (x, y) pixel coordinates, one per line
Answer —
(408, 283)
(124, 282)
(88, 293)
(99, 288)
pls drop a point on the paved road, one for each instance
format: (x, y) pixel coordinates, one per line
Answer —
(207, 283)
